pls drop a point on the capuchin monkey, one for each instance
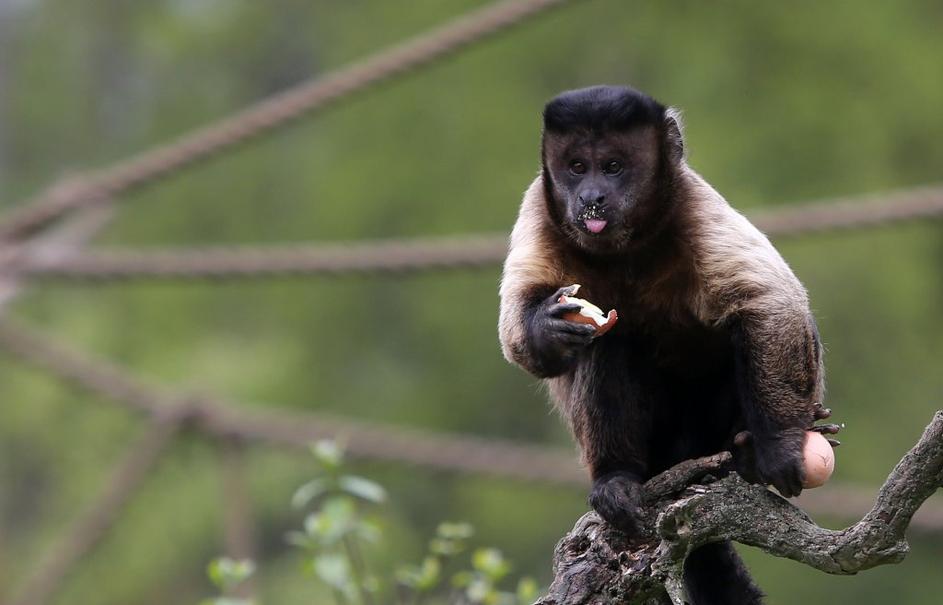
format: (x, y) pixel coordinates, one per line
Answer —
(714, 335)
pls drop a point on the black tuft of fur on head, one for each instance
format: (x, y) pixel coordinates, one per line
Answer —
(601, 109)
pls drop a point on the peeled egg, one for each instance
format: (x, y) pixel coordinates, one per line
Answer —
(819, 459)
(590, 314)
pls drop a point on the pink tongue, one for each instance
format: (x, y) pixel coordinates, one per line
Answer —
(595, 225)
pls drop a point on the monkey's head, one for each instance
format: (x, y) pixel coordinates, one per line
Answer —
(609, 156)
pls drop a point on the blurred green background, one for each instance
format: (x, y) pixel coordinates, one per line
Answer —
(783, 102)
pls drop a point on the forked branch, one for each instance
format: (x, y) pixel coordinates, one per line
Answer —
(687, 508)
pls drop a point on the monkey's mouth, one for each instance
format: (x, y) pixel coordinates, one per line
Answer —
(592, 219)
(594, 225)
(599, 234)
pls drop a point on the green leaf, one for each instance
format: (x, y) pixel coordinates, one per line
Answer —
(527, 590)
(316, 526)
(362, 488)
(309, 491)
(329, 453)
(445, 548)
(498, 597)
(455, 531)
(368, 531)
(226, 573)
(301, 540)
(333, 570)
(491, 563)
(450, 538)
(340, 510)
(407, 575)
(422, 578)
(429, 574)
(322, 531)
(462, 579)
(478, 590)
(336, 519)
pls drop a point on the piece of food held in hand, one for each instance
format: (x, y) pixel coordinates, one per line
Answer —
(589, 313)
(818, 459)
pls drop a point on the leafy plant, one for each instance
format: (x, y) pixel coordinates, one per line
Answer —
(227, 575)
(337, 529)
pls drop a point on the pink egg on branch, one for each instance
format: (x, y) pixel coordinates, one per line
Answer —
(818, 458)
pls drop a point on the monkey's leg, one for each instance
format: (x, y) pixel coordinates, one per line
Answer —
(714, 574)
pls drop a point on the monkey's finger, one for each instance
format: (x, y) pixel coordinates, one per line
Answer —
(795, 480)
(573, 336)
(834, 442)
(565, 291)
(783, 488)
(572, 327)
(561, 309)
(787, 479)
(820, 412)
(826, 429)
(575, 341)
(789, 485)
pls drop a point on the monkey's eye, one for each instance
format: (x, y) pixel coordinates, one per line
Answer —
(577, 167)
(612, 167)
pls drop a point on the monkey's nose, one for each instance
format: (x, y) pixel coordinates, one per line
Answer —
(592, 197)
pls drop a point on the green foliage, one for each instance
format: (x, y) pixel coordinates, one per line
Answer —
(226, 574)
(329, 456)
(337, 528)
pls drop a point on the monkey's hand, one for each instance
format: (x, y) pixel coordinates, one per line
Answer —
(617, 498)
(773, 459)
(554, 342)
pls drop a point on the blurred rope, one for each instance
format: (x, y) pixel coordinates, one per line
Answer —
(272, 261)
(63, 241)
(266, 115)
(86, 531)
(852, 212)
(444, 452)
(428, 254)
(214, 416)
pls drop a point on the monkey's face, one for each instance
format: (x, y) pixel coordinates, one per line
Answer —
(602, 187)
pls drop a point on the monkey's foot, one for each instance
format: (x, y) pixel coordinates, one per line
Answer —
(617, 497)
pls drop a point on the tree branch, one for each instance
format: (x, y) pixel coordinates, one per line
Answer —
(686, 507)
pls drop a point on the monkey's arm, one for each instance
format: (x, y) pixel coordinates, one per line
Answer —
(780, 379)
(748, 286)
(532, 331)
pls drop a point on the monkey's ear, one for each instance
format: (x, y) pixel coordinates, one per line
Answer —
(674, 134)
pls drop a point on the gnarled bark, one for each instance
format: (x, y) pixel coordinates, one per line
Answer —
(686, 508)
